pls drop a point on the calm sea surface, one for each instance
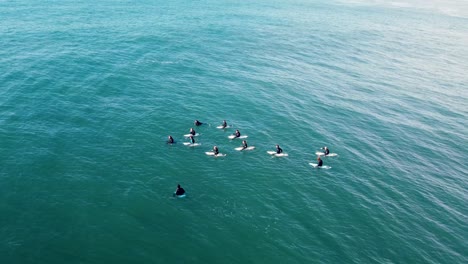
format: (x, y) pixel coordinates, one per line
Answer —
(90, 90)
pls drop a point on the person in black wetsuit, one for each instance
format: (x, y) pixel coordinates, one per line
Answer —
(224, 124)
(192, 139)
(244, 144)
(237, 134)
(278, 149)
(326, 151)
(215, 150)
(319, 162)
(179, 191)
(192, 131)
(170, 140)
(197, 123)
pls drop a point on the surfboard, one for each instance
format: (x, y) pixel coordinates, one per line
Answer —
(221, 127)
(180, 196)
(318, 153)
(248, 148)
(273, 153)
(234, 137)
(211, 153)
(188, 135)
(192, 144)
(323, 167)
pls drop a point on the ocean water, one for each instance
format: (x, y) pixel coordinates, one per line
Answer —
(90, 90)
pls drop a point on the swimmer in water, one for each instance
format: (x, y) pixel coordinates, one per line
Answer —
(170, 140)
(192, 140)
(224, 124)
(179, 191)
(237, 134)
(319, 162)
(278, 149)
(215, 150)
(197, 123)
(192, 132)
(244, 145)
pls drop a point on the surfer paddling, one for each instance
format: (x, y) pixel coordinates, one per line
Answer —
(197, 123)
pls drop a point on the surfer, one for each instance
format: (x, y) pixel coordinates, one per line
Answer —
(192, 131)
(170, 140)
(326, 151)
(179, 191)
(215, 150)
(224, 125)
(319, 162)
(237, 134)
(197, 123)
(278, 149)
(192, 140)
(244, 144)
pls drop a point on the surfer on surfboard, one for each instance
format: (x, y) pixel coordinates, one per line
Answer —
(237, 134)
(215, 150)
(224, 124)
(319, 162)
(192, 139)
(179, 191)
(244, 144)
(278, 149)
(192, 131)
(326, 151)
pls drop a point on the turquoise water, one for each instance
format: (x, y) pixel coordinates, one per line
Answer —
(90, 90)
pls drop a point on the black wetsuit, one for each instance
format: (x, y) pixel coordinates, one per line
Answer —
(216, 151)
(320, 163)
(193, 132)
(279, 150)
(244, 145)
(327, 151)
(237, 134)
(192, 140)
(170, 140)
(224, 125)
(198, 123)
(180, 191)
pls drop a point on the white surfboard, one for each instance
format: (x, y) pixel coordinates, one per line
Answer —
(273, 153)
(188, 135)
(180, 196)
(192, 144)
(211, 153)
(234, 137)
(247, 148)
(221, 127)
(315, 165)
(318, 153)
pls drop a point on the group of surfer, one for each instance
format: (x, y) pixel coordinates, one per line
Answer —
(244, 146)
(180, 191)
